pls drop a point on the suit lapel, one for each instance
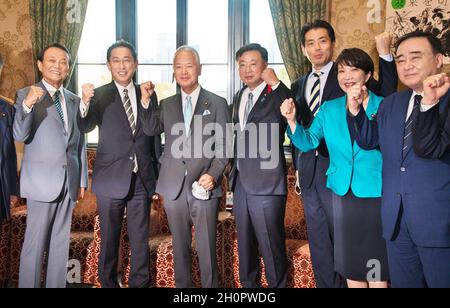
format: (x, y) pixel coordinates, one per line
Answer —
(139, 109)
(261, 100)
(46, 107)
(331, 82)
(72, 110)
(237, 105)
(116, 98)
(200, 107)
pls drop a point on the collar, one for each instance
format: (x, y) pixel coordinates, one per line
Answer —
(51, 89)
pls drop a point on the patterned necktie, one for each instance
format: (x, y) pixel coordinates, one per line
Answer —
(131, 120)
(248, 107)
(57, 102)
(129, 111)
(314, 104)
(187, 113)
(408, 139)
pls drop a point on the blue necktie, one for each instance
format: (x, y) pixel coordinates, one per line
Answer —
(187, 113)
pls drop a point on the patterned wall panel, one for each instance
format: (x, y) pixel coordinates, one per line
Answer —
(15, 46)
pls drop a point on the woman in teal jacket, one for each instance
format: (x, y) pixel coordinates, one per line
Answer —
(354, 174)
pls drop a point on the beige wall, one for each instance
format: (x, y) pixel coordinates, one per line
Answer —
(15, 46)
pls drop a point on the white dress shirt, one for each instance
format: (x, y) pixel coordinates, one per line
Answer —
(51, 91)
(423, 108)
(194, 98)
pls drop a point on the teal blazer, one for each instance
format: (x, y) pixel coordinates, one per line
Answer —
(350, 166)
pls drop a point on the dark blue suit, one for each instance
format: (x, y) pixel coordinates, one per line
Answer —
(313, 168)
(8, 161)
(260, 191)
(416, 199)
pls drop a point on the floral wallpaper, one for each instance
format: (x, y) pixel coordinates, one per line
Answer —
(15, 46)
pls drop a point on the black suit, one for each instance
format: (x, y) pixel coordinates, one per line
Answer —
(8, 161)
(260, 191)
(431, 133)
(313, 168)
(117, 187)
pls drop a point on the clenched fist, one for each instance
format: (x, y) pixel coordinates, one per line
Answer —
(35, 95)
(270, 77)
(288, 110)
(383, 43)
(147, 90)
(356, 96)
(434, 88)
(88, 92)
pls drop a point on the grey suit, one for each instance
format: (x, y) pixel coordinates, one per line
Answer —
(54, 166)
(177, 175)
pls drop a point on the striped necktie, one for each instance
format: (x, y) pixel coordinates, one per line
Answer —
(57, 102)
(131, 120)
(314, 104)
(408, 139)
(129, 111)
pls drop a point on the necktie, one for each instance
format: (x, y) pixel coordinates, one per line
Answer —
(187, 113)
(129, 111)
(314, 104)
(248, 108)
(407, 140)
(131, 120)
(57, 102)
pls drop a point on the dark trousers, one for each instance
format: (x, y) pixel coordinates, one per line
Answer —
(318, 204)
(260, 229)
(412, 266)
(111, 212)
(182, 214)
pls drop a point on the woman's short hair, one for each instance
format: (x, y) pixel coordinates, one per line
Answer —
(356, 57)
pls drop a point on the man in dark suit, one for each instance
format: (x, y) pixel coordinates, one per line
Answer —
(431, 131)
(310, 92)
(9, 188)
(124, 171)
(184, 118)
(416, 192)
(259, 169)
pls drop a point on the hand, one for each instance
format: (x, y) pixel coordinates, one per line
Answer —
(355, 98)
(270, 77)
(35, 95)
(288, 110)
(81, 193)
(383, 43)
(207, 182)
(147, 90)
(88, 92)
(434, 88)
(13, 200)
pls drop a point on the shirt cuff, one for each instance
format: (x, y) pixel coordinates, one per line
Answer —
(387, 58)
(145, 105)
(84, 109)
(27, 109)
(274, 88)
(425, 108)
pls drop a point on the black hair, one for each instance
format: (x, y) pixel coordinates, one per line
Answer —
(435, 43)
(253, 47)
(54, 45)
(356, 57)
(317, 24)
(119, 44)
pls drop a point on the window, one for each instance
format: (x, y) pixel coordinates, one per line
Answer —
(162, 26)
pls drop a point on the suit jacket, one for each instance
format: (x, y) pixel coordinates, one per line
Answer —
(183, 158)
(420, 186)
(8, 160)
(118, 147)
(350, 166)
(258, 174)
(52, 155)
(431, 133)
(308, 162)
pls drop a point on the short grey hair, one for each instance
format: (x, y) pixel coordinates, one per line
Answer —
(187, 49)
